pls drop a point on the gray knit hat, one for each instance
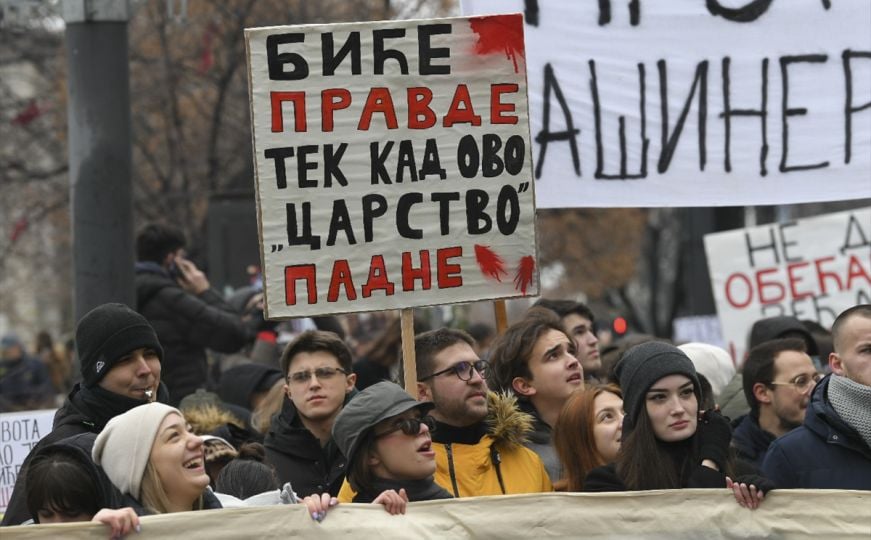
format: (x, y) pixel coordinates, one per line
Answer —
(645, 364)
(123, 448)
(374, 404)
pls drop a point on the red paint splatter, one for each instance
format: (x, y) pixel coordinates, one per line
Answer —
(500, 33)
(490, 262)
(27, 115)
(524, 273)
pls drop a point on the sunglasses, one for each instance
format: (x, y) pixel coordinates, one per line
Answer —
(409, 426)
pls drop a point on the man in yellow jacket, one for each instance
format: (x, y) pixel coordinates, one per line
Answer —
(479, 435)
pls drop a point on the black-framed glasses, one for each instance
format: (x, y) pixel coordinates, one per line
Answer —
(322, 373)
(801, 382)
(409, 426)
(463, 370)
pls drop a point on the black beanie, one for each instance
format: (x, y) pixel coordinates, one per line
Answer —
(107, 333)
(645, 364)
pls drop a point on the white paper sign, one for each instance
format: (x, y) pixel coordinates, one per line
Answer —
(811, 269)
(19, 433)
(695, 102)
(393, 164)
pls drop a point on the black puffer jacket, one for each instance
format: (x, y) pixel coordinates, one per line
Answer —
(298, 457)
(186, 325)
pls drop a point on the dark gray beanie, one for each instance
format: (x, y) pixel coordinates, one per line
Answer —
(107, 333)
(645, 364)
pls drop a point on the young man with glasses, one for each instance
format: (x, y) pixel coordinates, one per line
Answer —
(318, 383)
(832, 449)
(479, 435)
(534, 359)
(779, 377)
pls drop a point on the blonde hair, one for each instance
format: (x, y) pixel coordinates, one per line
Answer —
(153, 496)
(262, 415)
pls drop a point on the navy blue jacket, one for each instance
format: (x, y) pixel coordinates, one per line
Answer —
(749, 440)
(824, 453)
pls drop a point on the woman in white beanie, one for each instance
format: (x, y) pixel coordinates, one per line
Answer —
(151, 457)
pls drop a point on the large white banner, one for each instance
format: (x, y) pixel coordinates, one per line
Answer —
(680, 514)
(697, 102)
(393, 164)
(811, 268)
(19, 433)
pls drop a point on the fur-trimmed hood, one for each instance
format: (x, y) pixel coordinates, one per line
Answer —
(506, 423)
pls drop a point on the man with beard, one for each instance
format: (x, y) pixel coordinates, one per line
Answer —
(318, 382)
(120, 360)
(832, 449)
(779, 377)
(479, 435)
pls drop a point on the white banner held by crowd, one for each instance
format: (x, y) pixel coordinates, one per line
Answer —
(393, 164)
(19, 433)
(810, 268)
(697, 103)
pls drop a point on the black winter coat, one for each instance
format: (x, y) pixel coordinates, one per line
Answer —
(186, 325)
(823, 453)
(298, 457)
(750, 441)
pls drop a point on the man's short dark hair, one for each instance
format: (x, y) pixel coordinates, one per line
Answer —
(566, 307)
(759, 367)
(510, 355)
(155, 241)
(317, 340)
(429, 344)
(861, 310)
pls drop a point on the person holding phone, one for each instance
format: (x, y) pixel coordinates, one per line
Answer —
(188, 315)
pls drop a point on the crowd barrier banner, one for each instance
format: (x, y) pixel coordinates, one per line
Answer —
(393, 164)
(811, 269)
(696, 102)
(690, 514)
(19, 433)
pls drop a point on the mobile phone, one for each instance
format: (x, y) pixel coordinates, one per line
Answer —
(174, 271)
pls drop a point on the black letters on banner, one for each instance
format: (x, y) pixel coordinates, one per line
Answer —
(545, 136)
(786, 111)
(278, 61)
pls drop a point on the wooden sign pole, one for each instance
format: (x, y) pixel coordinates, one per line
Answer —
(501, 316)
(409, 363)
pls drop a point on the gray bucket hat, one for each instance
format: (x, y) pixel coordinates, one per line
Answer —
(374, 404)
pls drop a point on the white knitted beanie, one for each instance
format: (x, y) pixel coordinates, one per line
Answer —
(123, 448)
(712, 362)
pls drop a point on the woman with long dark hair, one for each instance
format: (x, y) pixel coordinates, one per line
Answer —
(667, 441)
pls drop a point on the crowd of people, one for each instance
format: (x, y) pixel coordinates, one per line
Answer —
(153, 427)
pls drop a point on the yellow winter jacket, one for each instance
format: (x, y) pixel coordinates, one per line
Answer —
(498, 464)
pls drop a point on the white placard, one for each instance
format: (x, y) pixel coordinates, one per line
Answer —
(393, 164)
(714, 103)
(810, 268)
(19, 433)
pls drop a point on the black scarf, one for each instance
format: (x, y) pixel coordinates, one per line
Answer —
(445, 433)
(417, 490)
(99, 405)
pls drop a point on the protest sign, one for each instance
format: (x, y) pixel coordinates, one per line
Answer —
(19, 433)
(810, 268)
(697, 103)
(690, 514)
(393, 164)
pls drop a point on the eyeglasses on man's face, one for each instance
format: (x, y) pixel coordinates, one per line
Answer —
(409, 426)
(800, 382)
(463, 370)
(322, 374)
